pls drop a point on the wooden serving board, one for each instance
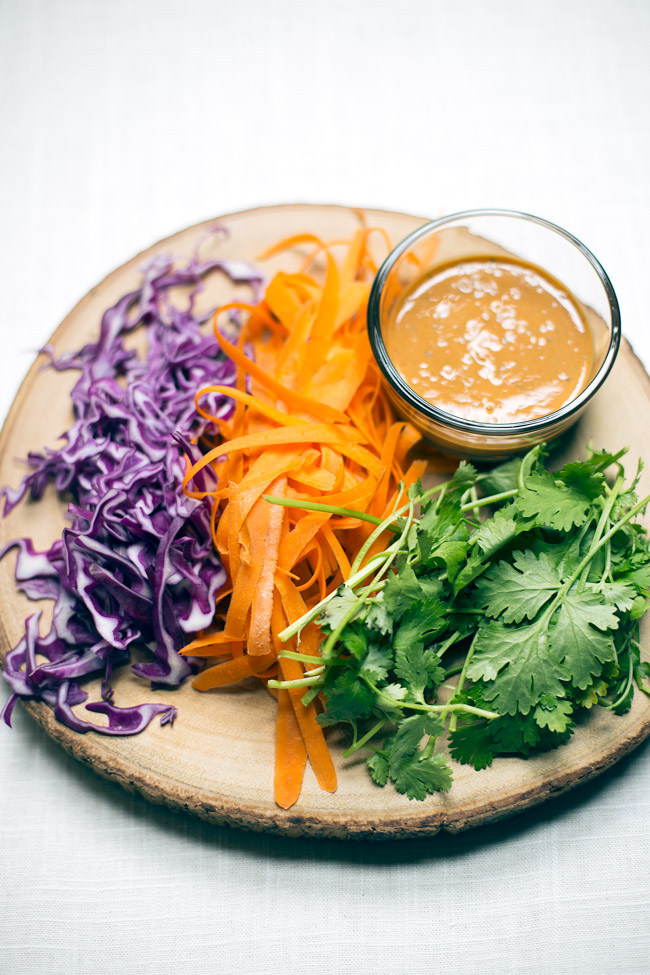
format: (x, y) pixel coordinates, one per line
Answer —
(217, 759)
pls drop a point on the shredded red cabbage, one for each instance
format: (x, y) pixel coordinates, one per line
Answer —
(136, 568)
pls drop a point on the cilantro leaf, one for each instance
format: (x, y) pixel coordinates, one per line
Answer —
(553, 714)
(464, 477)
(376, 664)
(619, 594)
(496, 531)
(553, 503)
(418, 669)
(516, 592)
(348, 699)
(439, 520)
(640, 579)
(378, 765)
(420, 624)
(574, 640)
(473, 744)
(581, 477)
(451, 553)
(355, 640)
(401, 591)
(408, 736)
(391, 697)
(420, 777)
(477, 743)
(337, 608)
(517, 666)
(378, 618)
(501, 478)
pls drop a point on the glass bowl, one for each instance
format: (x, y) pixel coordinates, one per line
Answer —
(506, 234)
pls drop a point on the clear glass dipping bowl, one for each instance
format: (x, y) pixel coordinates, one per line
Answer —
(505, 233)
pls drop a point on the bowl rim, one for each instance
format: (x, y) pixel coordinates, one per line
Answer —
(477, 427)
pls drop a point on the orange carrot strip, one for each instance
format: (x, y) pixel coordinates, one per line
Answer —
(319, 564)
(250, 570)
(304, 433)
(282, 299)
(231, 671)
(352, 259)
(387, 457)
(312, 733)
(317, 478)
(297, 346)
(253, 402)
(288, 396)
(325, 322)
(337, 550)
(295, 542)
(233, 539)
(207, 640)
(290, 754)
(255, 311)
(410, 436)
(259, 634)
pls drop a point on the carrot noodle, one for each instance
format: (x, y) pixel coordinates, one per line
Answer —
(311, 422)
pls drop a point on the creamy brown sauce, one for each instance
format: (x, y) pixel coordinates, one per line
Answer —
(491, 339)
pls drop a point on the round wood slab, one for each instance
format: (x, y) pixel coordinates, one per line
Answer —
(217, 759)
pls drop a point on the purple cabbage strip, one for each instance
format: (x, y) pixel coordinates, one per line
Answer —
(136, 568)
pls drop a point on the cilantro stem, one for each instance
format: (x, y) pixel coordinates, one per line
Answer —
(315, 611)
(304, 658)
(449, 642)
(626, 689)
(526, 466)
(604, 517)
(428, 749)
(435, 708)
(492, 499)
(372, 538)
(313, 692)
(459, 686)
(393, 549)
(285, 685)
(603, 541)
(362, 741)
(331, 509)
(331, 640)
(452, 671)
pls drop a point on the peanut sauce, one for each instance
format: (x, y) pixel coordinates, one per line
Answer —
(491, 339)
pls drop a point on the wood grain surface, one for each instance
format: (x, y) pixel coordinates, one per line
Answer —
(217, 760)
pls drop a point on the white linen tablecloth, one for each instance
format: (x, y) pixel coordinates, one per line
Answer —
(122, 121)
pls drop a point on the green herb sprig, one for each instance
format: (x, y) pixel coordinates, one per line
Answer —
(535, 609)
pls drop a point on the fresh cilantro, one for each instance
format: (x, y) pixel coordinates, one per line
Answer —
(377, 663)
(549, 501)
(418, 669)
(527, 583)
(378, 765)
(580, 637)
(516, 665)
(518, 591)
(401, 591)
(420, 777)
(503, 478)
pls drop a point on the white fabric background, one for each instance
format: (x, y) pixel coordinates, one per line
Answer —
(122, 121)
